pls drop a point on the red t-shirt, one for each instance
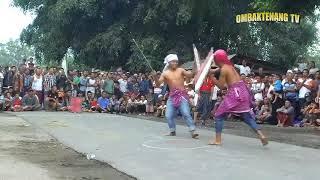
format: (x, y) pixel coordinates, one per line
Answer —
(17, 102)
(207, 85)
(93, 103)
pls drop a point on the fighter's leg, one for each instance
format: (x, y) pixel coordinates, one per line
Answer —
(248, 119)
(170, 116)
(186, 114)
(219, 121)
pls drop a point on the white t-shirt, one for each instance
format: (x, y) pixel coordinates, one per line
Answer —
(123, 85)
(243, 69)
(90, 87)
(313, 70)
(191, 93)
(1, 75)
(215, 93)
(258, 87)
(303, 90)
(157, 90)
(37, 83)
(271, 88)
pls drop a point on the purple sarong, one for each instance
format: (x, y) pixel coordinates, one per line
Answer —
(177, 95)
(237, 100)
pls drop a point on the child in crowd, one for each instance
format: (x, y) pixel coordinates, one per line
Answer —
(16, 103)
(7, 101)
(161, 110)
(311, 114)
(150, 103)
(141, 105)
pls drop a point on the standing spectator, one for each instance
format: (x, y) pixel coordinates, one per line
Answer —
(123, 84)
(109, 84)
(244, 69)
(62, 81)
(27, 81)
(144, 85)
(30, 101)
(204, 105)
(285, 115)
(91, 84)
(8, 77)
(83, 82)
(290, 90)
(257, 89)
(18, 81)
(75, 82)
(312, 68)
(49, 81)
(37, 85)
(1, 80)
(305, 87)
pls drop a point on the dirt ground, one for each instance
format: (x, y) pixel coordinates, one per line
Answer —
(28, 153)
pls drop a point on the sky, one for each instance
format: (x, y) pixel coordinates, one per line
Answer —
(12, 21)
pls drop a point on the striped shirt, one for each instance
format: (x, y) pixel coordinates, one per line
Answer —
(49, 81)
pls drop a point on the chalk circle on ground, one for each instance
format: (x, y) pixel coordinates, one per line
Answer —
(174, 144)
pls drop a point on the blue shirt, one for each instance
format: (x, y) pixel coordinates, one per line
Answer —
(144, 86)
(289, 87)
(103, 102)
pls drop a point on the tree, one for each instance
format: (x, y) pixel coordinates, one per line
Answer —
(100, 32)
(13, 52)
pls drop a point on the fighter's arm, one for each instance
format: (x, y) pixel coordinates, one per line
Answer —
(188, 74)
(221, 83)
(159, 81)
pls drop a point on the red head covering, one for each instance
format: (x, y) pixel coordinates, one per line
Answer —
(221, 57)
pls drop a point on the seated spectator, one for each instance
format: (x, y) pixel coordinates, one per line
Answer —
(30, 102)
(103, 103)
(65, 106)
(141, 105)
(7, 101)
(16, 103)
(150, 103)
(132, 105)
(1, 102)
(123, 106)
(264, 114)
(161, 110)
(285, 115)
(311, 114)
(52, 103)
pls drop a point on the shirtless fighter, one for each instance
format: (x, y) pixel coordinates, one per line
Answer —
(178, 97)
(238, 99)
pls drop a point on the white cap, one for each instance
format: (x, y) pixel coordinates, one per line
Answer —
(170, 57)
(290, 71)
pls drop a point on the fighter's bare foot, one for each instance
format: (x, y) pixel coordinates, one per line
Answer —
(214, 143)
(171, 134)
(195, 136)
(264, 141)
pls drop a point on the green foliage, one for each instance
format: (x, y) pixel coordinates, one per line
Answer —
(13, 52)
(100, 32)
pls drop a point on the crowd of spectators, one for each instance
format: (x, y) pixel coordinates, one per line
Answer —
(290, 99)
